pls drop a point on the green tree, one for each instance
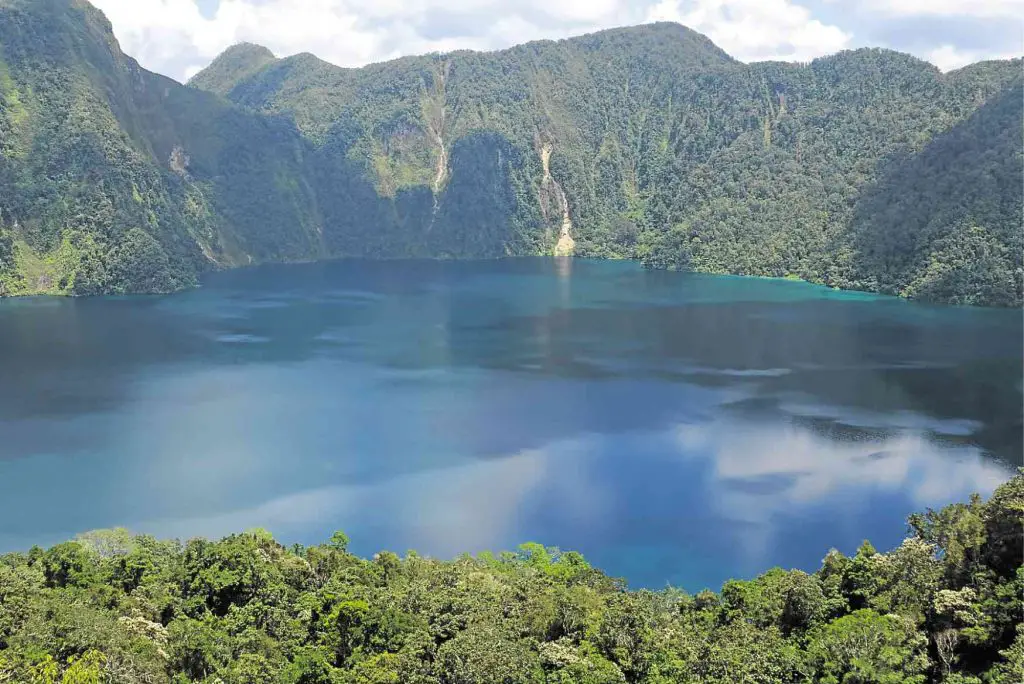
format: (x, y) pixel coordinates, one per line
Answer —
(865, 647)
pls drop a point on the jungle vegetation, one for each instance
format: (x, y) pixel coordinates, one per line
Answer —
(945, 606)
(867, 169)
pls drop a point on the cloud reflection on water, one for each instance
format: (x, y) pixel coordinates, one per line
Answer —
(673, 427)
(741, 490)
(443, 512)
(766, 476)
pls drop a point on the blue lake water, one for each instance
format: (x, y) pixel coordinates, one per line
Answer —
(674, 428)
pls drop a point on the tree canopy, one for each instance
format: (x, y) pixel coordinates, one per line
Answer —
(867, 169)
(945, 606)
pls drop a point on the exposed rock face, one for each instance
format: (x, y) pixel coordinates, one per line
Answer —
(552, 193)
(179, 161)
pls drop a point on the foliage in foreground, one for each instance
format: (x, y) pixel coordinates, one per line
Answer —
(108, 607)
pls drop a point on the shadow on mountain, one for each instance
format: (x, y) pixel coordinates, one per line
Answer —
(944, 224)
(473, 216)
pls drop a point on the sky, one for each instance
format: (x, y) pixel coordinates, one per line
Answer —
(179, 37)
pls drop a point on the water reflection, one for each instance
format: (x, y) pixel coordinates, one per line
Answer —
(799, 471)
(691, 505)
(674, 428)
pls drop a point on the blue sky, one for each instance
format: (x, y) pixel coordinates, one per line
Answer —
(179, 37)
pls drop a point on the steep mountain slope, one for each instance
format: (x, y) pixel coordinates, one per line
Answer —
(855, 183)
(114, 179)
(648, 142)
(959, 204)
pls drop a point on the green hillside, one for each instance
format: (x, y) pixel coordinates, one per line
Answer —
(114, 179)
(867, 169)
(945, 606)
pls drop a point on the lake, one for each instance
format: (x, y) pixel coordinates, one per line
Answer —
(674, 428)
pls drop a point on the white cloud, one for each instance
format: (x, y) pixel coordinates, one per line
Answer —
(948, 57)
(753, 30)
(949, 8)
(172, 36)
(192, 71)
(153, 31)
(160, 32)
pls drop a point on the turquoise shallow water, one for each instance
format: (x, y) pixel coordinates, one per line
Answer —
(675, 428)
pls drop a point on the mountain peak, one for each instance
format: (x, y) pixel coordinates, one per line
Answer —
(658, 39)
(244, 50)
(232, 66)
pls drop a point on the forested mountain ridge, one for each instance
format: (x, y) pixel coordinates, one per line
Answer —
(945, 606)
(866, 169)
(114, 179)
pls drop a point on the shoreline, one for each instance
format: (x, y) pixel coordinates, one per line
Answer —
(298, 262)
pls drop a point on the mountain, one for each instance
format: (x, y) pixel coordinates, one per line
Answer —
(867, 169)
(234, 65)
(114, 179)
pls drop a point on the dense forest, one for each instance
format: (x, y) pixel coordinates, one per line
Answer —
(867, 169)
(945, 606)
